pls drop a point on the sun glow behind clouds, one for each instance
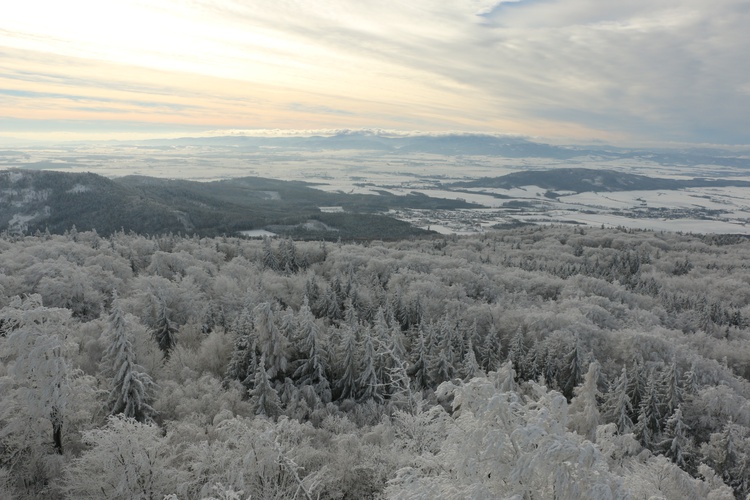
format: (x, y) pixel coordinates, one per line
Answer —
(138, 34)
(662, 69)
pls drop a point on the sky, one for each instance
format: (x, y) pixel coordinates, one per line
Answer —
(618, 71)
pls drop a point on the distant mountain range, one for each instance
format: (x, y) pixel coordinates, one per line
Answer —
(32, 200)
(581, 180)
(464, 144)
(458, 144)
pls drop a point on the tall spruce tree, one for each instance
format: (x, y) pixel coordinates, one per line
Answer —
(470, 368)
(419, 369)
(671, 396)
(677, 444)
(272, 343)
(574, 363)
(648, 427)
(244, 359)
(164, 329)
(491, 354)
(517, 352)
(370, 385)
(311, 367)
(347, 384)
(637, 384)
(584, 411)
(617, 405)
(269, 257)
(130, 384)
(263, 397)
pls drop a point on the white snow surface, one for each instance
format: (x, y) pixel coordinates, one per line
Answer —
(257, 233)
(373, 172)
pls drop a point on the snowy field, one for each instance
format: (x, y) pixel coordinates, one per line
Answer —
(256, 233)
(702, 210)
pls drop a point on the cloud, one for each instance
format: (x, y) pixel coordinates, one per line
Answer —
(668, 70)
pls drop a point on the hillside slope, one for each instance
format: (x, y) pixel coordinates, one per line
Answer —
(39, 200)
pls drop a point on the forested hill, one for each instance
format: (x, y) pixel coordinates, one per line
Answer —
(581, 180)
(538, 362)
(39, 200)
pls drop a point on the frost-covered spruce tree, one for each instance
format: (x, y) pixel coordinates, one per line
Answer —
(312, 290)
(535, 361)
(442, 369)
(416, 311)
(396, 344)
(637, 384)
(470, 367)
(678, 445)
(288, 325)
(690, 382)
(332, 308)
(288, 256)
(648, 426)
(347, 384)
(617, 405)
(447, 341)
(269, 257)
(244, 359)
(491, 352)
(350, 313)
(273, 345)
(671, 391)
(430, 339)
(130, 384)
(584, 411)
(370, 385)
(473, 335)
(383, 344)
(419, 370)
(263, 397)
(728, 453)
(550, 366)
(441, 361)
(396, 309)
(574, 363)
(311, 369)
(164, 329)
(517, 352)
(459, 345)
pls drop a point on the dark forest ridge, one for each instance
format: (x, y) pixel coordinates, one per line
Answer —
(39, 200)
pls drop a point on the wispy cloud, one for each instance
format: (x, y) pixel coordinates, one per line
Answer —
(669, 70)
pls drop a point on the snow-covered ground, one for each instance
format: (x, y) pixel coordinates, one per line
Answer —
(257, 233)
(721, 210)
(688, 198)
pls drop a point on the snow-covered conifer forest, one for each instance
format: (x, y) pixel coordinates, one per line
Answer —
(529, 363)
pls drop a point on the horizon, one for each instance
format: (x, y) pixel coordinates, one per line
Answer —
(140, 138)
(661, 73)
